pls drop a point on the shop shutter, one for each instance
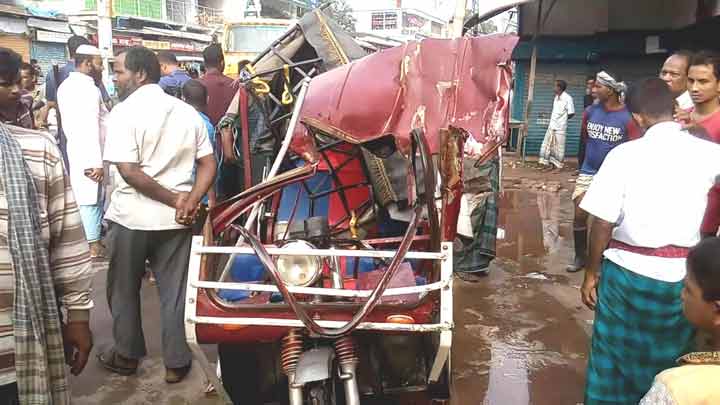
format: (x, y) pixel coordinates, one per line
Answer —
(18, 43)
(546, 75)
(47, 55)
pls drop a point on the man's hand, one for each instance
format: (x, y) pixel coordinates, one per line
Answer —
(78, 343)
(684, 117)
(185, 209)
(588, 291)
(96, 175)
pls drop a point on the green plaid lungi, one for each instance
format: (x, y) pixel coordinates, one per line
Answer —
(476, 254)
(639, 330)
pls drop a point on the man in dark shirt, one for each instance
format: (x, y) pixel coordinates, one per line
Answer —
(221, 89)
(173, 78)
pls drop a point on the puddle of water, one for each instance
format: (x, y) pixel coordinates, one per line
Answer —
(534, 226)
(509, 383)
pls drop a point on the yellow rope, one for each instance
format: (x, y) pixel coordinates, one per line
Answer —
(261, 87)
(287, 96)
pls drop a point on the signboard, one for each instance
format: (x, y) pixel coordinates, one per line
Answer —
(56, 37)
(126, 41)
(182, 46)
(158, 45)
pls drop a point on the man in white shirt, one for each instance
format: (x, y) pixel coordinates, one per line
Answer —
(154, 141)
(646, 215)
(552, 151)
(674, 72)
(84, 114)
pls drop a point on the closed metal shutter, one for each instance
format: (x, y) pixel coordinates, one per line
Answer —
(18, 43)
(47, 55)
(546, 75)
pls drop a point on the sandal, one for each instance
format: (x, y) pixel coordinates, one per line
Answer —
(116, 363)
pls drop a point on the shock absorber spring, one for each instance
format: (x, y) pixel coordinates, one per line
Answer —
(346, 351)
(292, 348)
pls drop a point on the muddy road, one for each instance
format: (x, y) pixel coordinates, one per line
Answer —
(521, 335)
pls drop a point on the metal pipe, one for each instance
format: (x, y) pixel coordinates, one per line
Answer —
(295, 392)
(349, 379)
(336, 271)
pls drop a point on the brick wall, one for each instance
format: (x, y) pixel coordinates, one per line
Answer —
(47, 54)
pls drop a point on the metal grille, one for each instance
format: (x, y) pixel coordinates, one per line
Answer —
(178, 10)
(209, 16)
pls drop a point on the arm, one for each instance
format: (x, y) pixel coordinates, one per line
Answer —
(50, 96)
(604, 201)
(600, 235)
(205, 165)
(93, 160)
(570, 107)
(711, 221)
(70, 265)
(227, 140)
(146, 185)
(205, 178)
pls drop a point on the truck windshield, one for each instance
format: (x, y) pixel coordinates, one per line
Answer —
(253, 38)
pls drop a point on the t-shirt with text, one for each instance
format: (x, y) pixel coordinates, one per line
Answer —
(603, 130)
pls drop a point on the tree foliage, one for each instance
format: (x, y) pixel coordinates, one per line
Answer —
(487, 27)
(341, 13)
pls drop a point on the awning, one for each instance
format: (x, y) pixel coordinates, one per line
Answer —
(177, 34)
(9, 25)
(54, 26)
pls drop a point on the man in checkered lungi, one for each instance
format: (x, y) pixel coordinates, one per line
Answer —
(646, 215)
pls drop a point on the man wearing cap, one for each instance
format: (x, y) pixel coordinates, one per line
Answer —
(84, 114)
(605, 125)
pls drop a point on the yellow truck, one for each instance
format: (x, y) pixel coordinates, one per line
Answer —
(244, 40)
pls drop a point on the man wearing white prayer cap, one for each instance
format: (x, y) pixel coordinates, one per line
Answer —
(84, 115)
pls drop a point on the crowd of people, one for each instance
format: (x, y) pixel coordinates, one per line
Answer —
(647, 191)
(647, 212)
(122, 179)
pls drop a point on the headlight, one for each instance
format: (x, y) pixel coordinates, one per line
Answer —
(299, 271)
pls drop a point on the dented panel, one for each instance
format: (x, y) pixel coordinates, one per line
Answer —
(429, 85)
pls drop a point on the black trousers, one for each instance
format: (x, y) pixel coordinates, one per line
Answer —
(9, 394)
(169, 253)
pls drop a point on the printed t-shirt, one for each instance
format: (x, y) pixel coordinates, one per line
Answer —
(604, 130)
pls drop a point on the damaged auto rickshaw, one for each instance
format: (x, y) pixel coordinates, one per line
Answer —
(329, 281)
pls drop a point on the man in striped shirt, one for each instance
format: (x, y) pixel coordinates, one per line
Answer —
(62, 233)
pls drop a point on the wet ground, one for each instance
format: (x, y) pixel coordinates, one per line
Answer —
(521, 333)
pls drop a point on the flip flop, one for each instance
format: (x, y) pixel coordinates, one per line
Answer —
(109, 360)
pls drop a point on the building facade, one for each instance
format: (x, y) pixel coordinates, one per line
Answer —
(401, 21)
(34, 35)
(621, 37)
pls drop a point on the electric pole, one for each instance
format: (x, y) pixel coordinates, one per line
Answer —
(105, 43)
